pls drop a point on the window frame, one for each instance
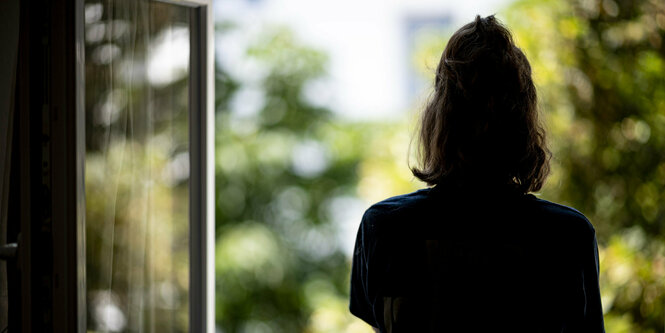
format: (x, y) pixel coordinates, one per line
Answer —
(202, 173)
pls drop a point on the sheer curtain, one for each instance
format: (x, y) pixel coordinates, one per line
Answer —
(137, 166)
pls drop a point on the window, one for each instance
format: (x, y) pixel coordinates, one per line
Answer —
(113, 142)
(144, 165)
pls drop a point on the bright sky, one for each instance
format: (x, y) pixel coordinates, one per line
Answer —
(366, 41)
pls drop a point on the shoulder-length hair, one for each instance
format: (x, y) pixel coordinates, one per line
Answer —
(481, 127)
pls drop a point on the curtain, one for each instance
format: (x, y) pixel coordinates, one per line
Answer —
(137, 166)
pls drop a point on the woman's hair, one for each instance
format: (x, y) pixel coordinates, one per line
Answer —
(480, 127)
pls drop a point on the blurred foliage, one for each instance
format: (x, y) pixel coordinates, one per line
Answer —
(282, 167)
(284, 164)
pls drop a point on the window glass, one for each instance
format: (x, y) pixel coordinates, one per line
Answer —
(137, 166)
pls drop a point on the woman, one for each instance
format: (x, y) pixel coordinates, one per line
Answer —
(476, 252)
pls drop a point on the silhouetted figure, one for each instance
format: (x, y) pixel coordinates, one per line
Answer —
(476, 252)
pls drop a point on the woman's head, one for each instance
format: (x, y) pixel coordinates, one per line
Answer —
(481, 124)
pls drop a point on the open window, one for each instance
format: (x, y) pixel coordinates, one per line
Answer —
(111, 168)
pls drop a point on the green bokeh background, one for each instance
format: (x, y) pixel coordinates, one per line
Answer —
(599, 67)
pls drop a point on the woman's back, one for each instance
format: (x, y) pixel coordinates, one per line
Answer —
(443, 260)
(476, 252)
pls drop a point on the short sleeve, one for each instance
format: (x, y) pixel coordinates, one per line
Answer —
(593, 310)
(359, 304)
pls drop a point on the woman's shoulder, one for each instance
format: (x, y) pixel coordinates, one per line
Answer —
(399, 203)
(395, 209)
(562, 215)
(396, 216)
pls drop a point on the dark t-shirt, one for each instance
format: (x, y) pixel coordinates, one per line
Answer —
(442, 260)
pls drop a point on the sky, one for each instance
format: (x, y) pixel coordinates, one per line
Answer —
(367, 42)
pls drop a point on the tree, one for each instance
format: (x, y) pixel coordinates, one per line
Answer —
(282, 168)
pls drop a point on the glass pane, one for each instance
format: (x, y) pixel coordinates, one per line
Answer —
(137, 166)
